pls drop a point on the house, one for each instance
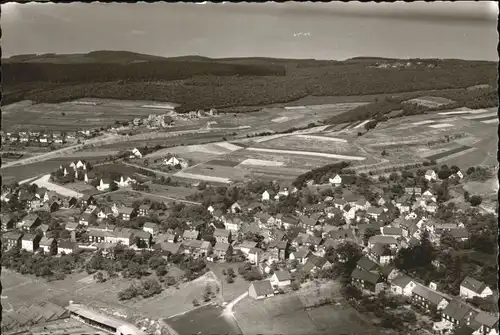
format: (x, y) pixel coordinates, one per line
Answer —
(136, 153)
(97, 236)
(142, 239)
(85, 219)
(277, 251)
(34, 203)
(427, 298)
(306, 240)
(169, 248)
(362, 204)
(315, 263)
(281, 278)
(197, 248)
(12, 239)
(48, 244)
(289, 221)
(336, 181)
(470, 288)
(172, 161)
(430, 175)
(222, 235)
(392, 231)
(261, 289)
(391, 241)
(458, 312)
(30, 242)
(339, 203)
(235, 208)
(30, 222)
(104, 184)
(120, 236)
(126, 213)
(308, 223)
(8, 222)
(71, 226)
(365, 263)
(246, 246)
(190, 235)
(253, 255)
(144, 209)
(266, 196)
(366, 280)
(88, 199)
(381, 253)
(488, 324)
(417, 191)
(124, 182)
(374, 212)
(151, 228)
(300, 255)
(233, 224)
(460, 234)
(221, 250)
(402, 285)
(66, 247)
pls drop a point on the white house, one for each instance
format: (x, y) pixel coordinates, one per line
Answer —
(124, 182)
(266, 196)
(430, 175)
(488, 324)
(337, 180)
(104, 185)
(261, 289)
(210, 209)
(136, 153)
(281, 278)
(253, 255)
(402, 285)
(173, 161)
(81, 165)
(470, 288)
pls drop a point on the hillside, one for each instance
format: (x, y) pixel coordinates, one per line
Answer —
(199, 82)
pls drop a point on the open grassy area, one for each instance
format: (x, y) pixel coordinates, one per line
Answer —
(233, 290)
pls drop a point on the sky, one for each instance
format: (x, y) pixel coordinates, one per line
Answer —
(337, 30)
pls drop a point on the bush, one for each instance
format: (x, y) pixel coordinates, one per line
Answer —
(128, 293)
(475, 200)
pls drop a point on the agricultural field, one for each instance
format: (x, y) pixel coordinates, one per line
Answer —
(70, 116)
(118, 168)
(206, 171)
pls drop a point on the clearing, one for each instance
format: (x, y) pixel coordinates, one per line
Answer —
(260, 162)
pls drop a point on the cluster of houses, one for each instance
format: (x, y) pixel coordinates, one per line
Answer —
(46, 138)
(81, 170)
(455, 312)
(155, 121)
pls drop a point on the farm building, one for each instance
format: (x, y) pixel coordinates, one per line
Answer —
(470, 288)
(281, 278)
(366, 280)
(12, 239)
(402, 285)
(261, 289)
(427, 298)
(337, 180)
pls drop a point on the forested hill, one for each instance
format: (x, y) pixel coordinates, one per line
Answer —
(199, 82)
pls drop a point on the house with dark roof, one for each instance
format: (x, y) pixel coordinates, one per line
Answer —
(391, 231)
(306, 240)
(12, 239)
(281, 278)
(48, 244)
(169, 248)
(488, 323)
(197, 248)
(308, 223)
(8, 221)
(289, 221)
(300, 255)
(221, 250)
(460, 234)
(315, 263)
(427, 298)
(403, 285)
(458, 312)
(126, 213)
(374, 212)
(366, 280)
(391, 241)
(190, 235)
(276, 251)
(246, 245)
(30, 223)
(381, 253)
(222, 235)
(142, 239)
(261, 289)
(364, 263)
(470, 288)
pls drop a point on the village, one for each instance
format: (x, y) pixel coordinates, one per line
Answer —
(286, 233)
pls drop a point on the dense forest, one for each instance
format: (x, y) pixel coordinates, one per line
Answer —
(199, 82)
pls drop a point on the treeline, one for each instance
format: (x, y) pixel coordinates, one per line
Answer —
(319, 174)
(15, 73)
(475, 99)
(219, 85)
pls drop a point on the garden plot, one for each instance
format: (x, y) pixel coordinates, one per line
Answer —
(308, 153)
(441, 125)
(312, 145)
(321, 138)
(260, 162)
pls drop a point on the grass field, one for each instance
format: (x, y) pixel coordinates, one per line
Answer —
(320, 144)
(448, 153)
(222, 162)
(217, 171)
(307, 153)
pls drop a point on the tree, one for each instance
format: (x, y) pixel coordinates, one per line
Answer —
(150, 287)
(475, 200)
(161, 270)
(369, 232)
(99, 277)
(113, 186)
(466, 196)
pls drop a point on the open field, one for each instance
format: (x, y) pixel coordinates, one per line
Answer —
(68, 116)
(59, 189)
(206, 320)
(201, 177)
(217, 171)
(441, 125)
(308, 153)
(447, 153)
(321, 138)
(260, 162)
